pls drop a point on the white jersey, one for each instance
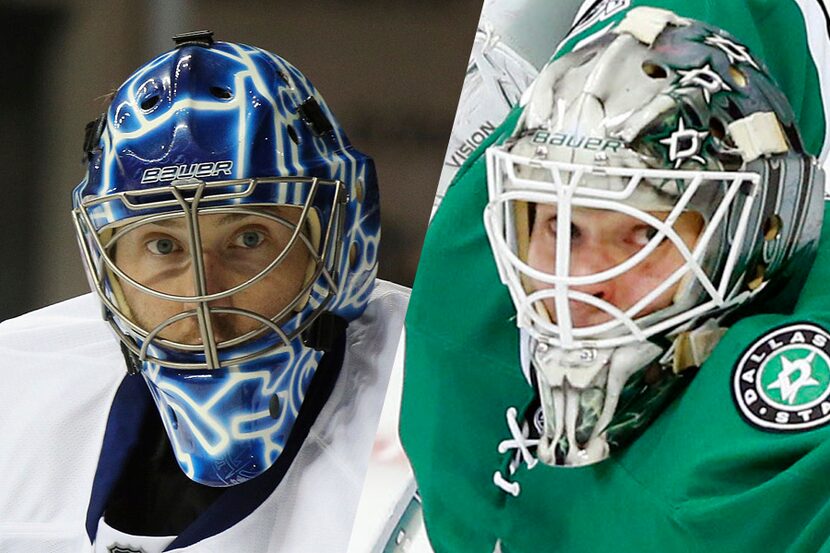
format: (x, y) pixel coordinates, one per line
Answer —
(62, 369)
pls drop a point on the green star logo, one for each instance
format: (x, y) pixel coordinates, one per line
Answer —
(797, 376)
(781, 383)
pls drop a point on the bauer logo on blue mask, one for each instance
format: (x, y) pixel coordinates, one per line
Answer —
(194, 170)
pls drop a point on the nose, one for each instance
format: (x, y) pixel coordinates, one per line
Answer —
(216, 279)
(216, 275)
(592, 259)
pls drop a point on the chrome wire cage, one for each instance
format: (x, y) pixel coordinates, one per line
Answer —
(320, 199)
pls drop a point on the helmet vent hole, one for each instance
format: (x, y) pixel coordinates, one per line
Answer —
(772, 227)
(292, 134)
(353, 256)
(174, 420)
(274, 407)
(654, 70)
(757, 277)
(221, 93)
(737, 75)
(716, 128)
(150, 102)
(358, 190)
(731, 161)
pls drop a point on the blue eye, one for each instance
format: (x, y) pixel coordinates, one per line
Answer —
(162, 246)
(249, 239)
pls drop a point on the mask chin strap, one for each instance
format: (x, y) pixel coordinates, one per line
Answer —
(324, 332)
(130, 359)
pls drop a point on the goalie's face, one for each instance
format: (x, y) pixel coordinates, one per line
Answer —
(235, 248)
(601, 240)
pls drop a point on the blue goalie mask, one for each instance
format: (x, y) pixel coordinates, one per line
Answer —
(231, 232)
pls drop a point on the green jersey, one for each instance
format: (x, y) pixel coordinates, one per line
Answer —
(737, 462)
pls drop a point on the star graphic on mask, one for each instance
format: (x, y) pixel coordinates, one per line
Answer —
(789, 388)
(684, 144)
(734, 51)
(704, 77)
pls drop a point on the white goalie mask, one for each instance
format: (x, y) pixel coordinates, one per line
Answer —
(654, 183)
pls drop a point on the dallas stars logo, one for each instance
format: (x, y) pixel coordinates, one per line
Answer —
(782, 383)
(704, 77)
(737, 53)
(599, 12)
(685, 144)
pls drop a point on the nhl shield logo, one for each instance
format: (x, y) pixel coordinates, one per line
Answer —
(116, 548)
(782, 382)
